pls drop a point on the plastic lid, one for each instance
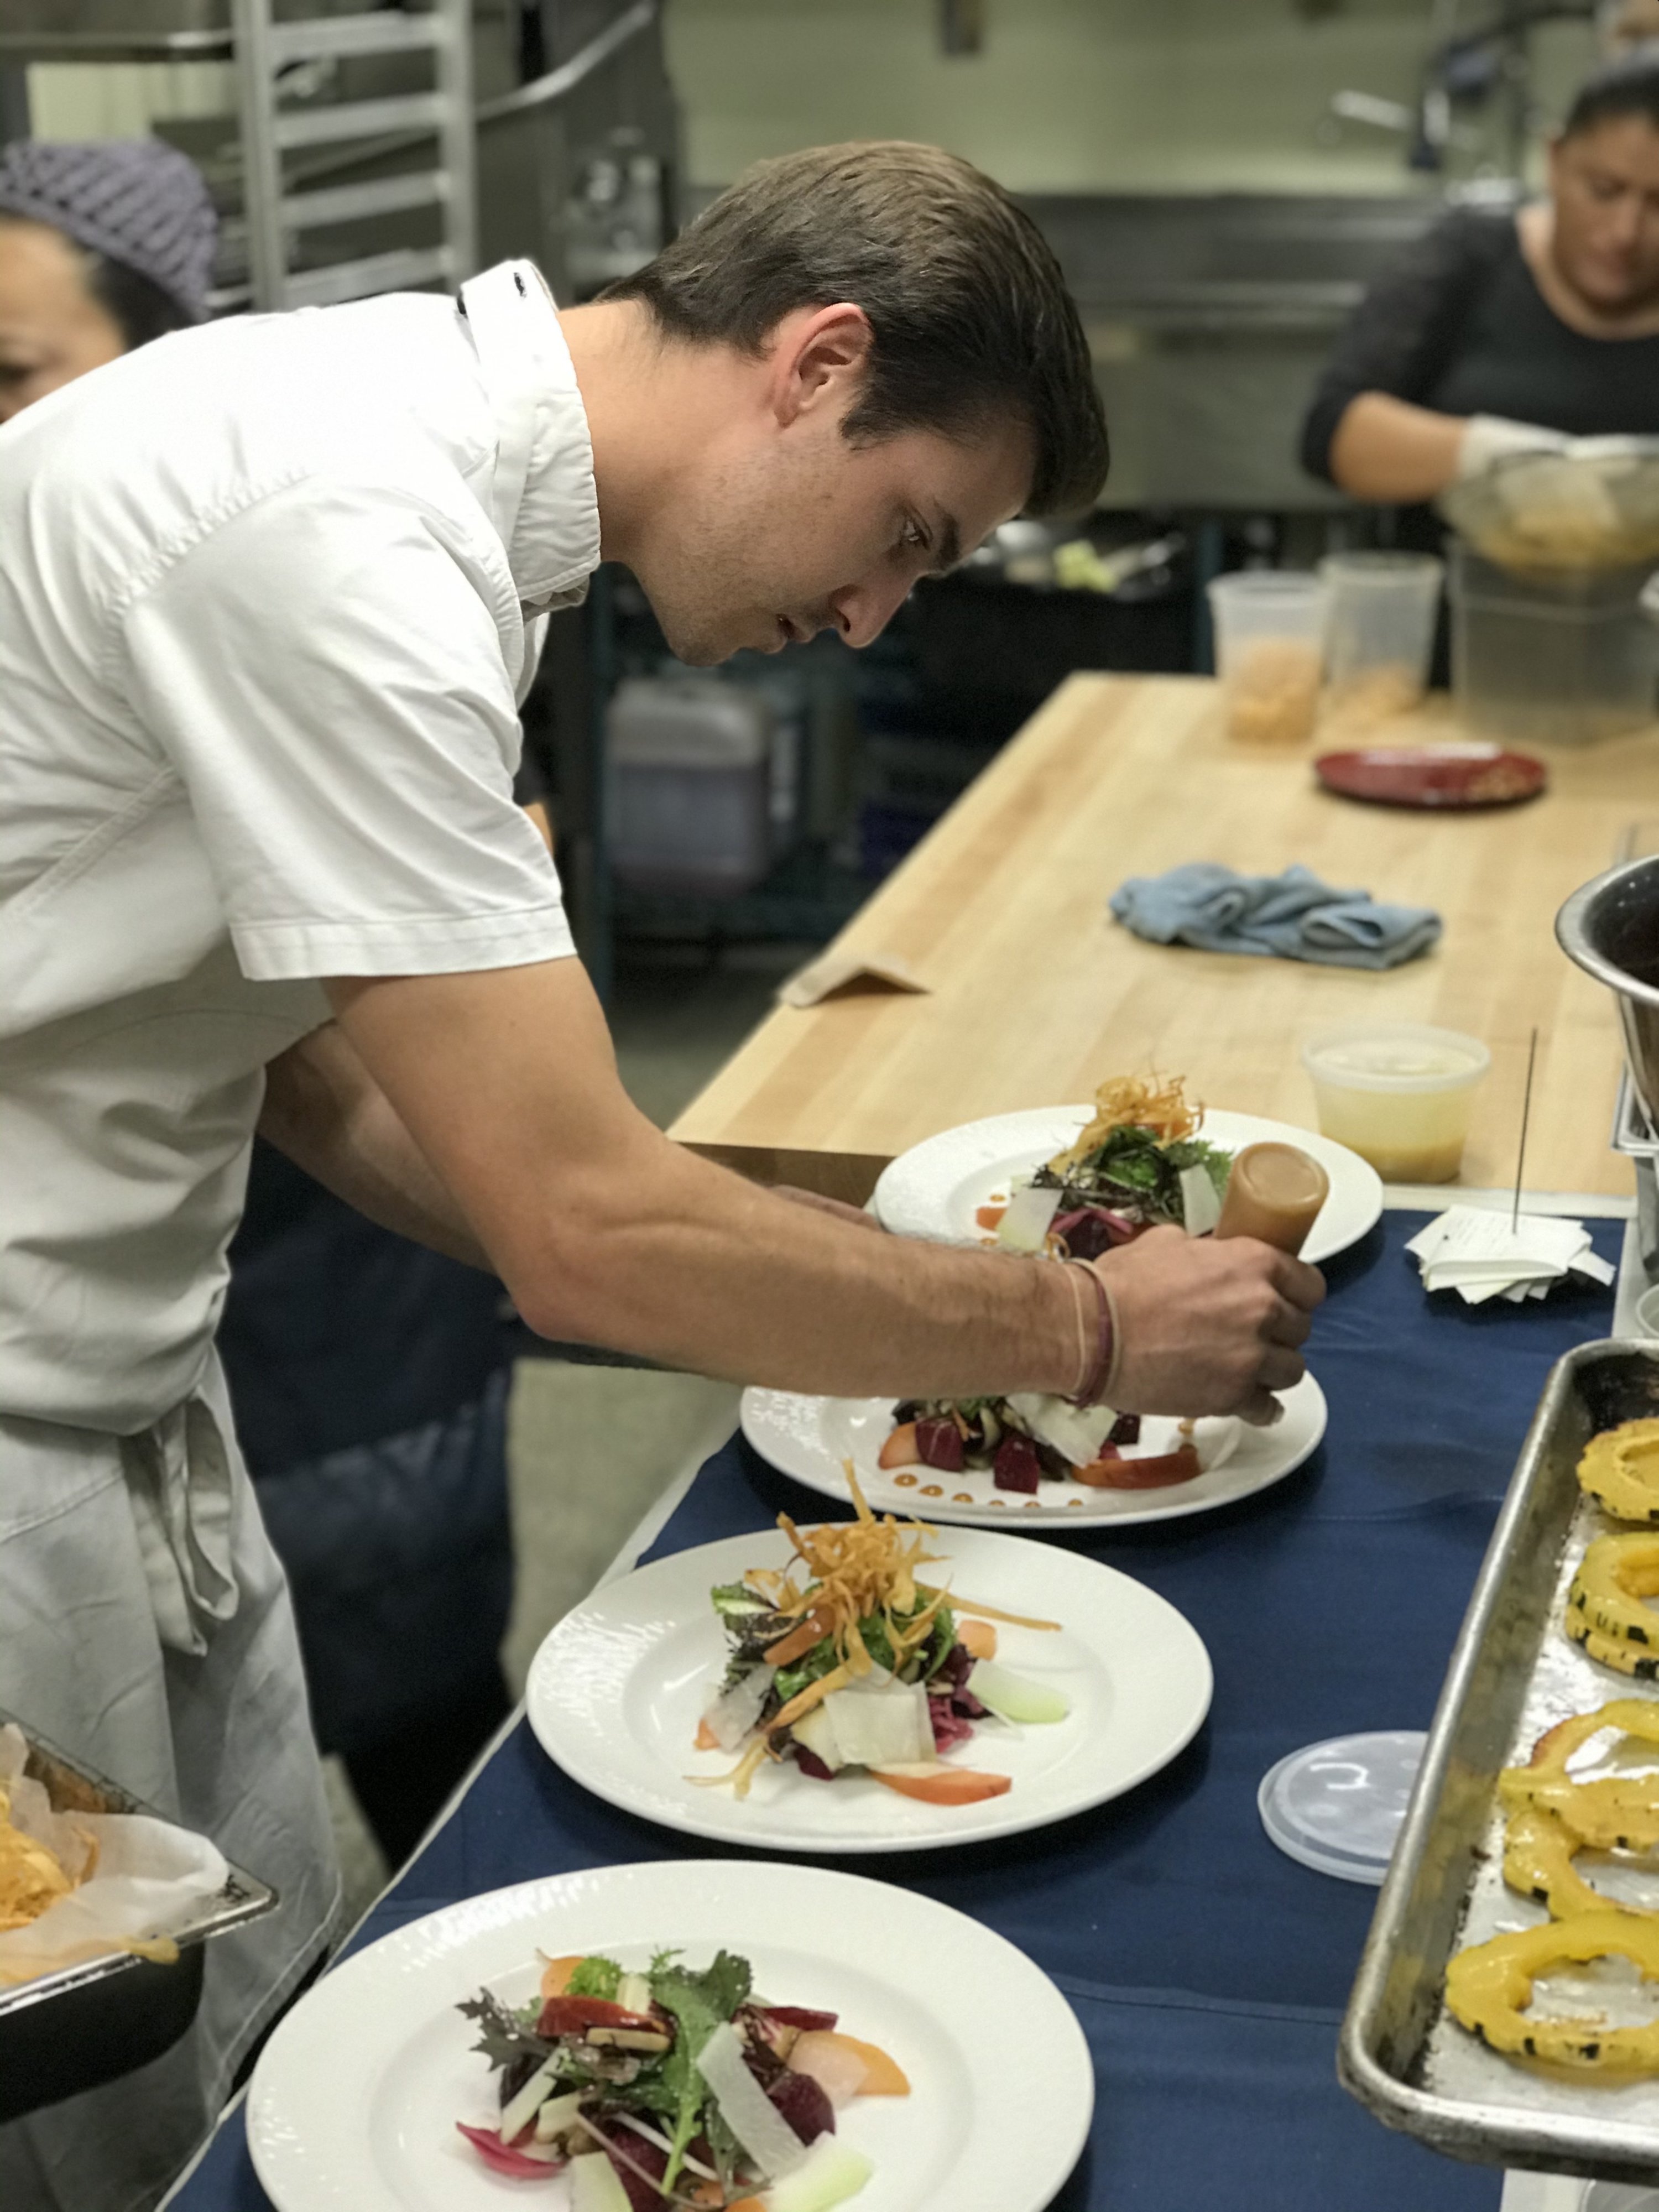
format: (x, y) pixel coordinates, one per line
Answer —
(1337, 1806)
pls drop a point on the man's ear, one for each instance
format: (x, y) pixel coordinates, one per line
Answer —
(818, 359)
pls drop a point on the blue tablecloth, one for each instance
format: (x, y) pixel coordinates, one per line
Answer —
(1209, 1971)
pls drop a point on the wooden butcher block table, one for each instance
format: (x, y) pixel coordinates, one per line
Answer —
(1035, 994)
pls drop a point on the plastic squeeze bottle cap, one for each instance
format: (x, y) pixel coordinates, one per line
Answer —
(1275, 1193)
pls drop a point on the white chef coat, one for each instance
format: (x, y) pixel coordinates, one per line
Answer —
(262, 639)
(268, 603)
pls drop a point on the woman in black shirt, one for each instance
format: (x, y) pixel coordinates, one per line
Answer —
(1500, 332)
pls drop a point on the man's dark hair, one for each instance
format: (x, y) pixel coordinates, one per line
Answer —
(1629, 86)
(971, 318)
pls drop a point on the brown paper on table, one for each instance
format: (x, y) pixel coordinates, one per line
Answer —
(833, 971)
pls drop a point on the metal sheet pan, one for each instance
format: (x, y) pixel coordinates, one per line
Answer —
(64, 2032)
(1513, 1674)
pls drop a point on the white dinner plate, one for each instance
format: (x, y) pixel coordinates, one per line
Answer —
(812, 1439)
(935, 1188)
(355, 2101)
(617, 1690)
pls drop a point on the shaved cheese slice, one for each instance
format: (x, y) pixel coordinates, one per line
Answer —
(753, 2118)
(1075, 1432)
(1026, 1221)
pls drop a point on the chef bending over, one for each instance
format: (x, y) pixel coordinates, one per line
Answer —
(270, 593)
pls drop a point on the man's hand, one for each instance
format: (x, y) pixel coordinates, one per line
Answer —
(1208, 1327)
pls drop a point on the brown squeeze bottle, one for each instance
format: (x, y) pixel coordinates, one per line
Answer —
(1275, 1193)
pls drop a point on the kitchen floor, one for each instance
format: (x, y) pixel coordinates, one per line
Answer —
(591, 1449)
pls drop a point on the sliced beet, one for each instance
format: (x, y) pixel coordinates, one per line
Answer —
(1016, 1466)
(810, 1763)
(949, 1726)
(804, 2103)
(938, 1444)
(1126, 1429)
(647, 2156)
(1090, 1237)
(802, 2017)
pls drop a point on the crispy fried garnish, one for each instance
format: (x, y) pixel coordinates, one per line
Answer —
(1134, 1102)
(856, 1571)
(30, 1875)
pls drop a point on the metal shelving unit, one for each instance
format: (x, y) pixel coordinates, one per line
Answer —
(439, 118)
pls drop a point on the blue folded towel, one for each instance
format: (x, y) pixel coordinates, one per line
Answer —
(1294, 916)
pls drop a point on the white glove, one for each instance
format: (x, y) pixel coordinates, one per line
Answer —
(1490, 438)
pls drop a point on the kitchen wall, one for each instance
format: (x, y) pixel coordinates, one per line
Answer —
(1075, 95)
(1067, 95)
(121, 100)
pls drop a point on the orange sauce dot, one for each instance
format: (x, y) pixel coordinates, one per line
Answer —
(1031, 1505)
(962, 1497)
(932, 1490)
(904, 1482)
(999, 1501)
(1074, 1501)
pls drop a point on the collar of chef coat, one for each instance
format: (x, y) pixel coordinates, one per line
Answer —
(542, 497)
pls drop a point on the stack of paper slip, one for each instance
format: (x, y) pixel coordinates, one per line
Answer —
(1482, 1255)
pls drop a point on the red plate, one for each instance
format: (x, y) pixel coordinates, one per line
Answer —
(1463, 775)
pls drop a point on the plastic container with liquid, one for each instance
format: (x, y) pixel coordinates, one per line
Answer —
(1269, 653)
(1398, 1093)
(1379, 631)
(1560, 657)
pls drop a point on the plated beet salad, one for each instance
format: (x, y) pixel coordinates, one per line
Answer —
(1140, 1164)
(847, 1662)
(1024, 1440)
(674, 2086)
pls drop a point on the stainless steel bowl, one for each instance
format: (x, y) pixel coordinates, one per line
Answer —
(1595, 506)
(1611, 928)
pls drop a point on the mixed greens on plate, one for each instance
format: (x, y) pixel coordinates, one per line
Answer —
(1140, 1164)
(847, 1661)
(673, 2086)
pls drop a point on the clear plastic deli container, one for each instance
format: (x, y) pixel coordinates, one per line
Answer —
(1551, 656)
(1398, 1093)
(1379, 630)
(1269, 653)
(688, 769)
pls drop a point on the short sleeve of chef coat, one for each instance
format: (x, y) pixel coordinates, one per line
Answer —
(326, 673)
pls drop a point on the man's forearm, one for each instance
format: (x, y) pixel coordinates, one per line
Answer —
(325, 1111)
(1388, 449)
(690, 1265)
(605, 1232)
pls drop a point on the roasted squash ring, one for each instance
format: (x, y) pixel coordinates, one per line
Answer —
(1620, 1470)
(1489, 1986)
(1613, 1577)
(1539, 1850)
(1626, 1658)
(1615, 1812)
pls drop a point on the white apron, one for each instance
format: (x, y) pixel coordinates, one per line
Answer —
(145, 1625)
(144, 1621)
